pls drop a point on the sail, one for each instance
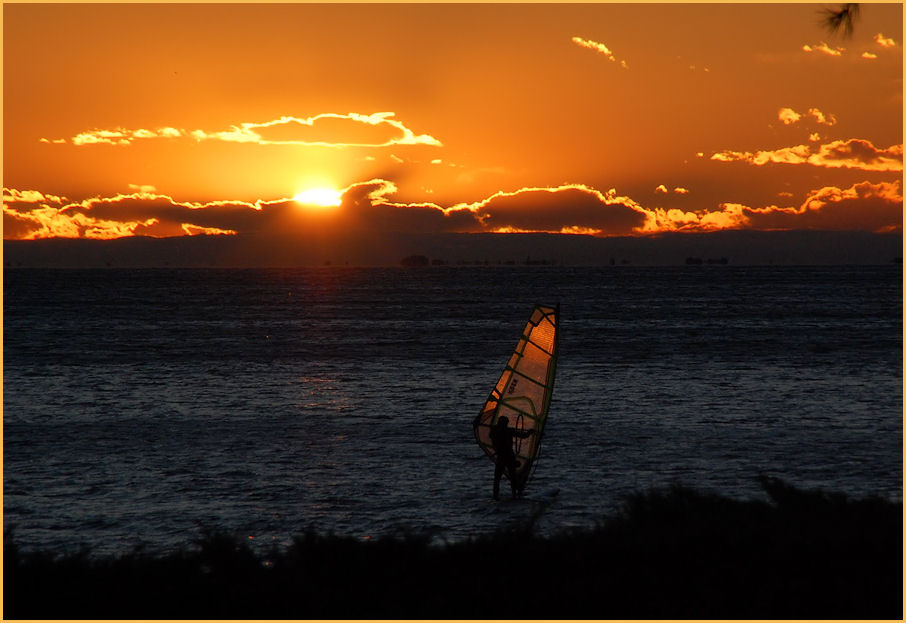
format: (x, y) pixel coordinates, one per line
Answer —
(523, 393)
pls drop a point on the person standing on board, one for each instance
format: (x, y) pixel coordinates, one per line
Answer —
(502, 437)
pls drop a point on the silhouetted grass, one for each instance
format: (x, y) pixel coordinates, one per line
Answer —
(669, 553)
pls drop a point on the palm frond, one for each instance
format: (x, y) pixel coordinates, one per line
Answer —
(841, 19)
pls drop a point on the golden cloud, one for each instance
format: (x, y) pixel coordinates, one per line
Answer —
(137, 213)
(788, 116)
(323, 130)
(865, 206)
(564, 208)
(598, 47)
(821, 118)
(885, 42)
(49, 222)
(858, 154)
(823, 48)
(663, 190)
(852, 154)
(368, 207)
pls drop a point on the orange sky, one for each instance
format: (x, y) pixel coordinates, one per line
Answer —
(610, 119)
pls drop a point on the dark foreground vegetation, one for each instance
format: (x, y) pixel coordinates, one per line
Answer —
(670, 553)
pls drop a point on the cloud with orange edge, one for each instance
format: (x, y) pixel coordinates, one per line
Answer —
(568, 207)
(823, 48)
(598, 47)
(32, 215)
(678, 190)
(851, 154)
(789, 116)
(885, 42)
(369, 207)
(379, 129)
(864, 206)
(876, 207)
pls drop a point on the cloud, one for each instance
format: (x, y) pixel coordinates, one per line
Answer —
(137, 213)
(45, 221)
(679, 190)
(864, 206)
(323, 130)
(851, 154)
(598, 47)
(29, 196)
(885, 42)
(858, 154)
(369, 207)
(821, 118)
(823, 48)
(789, 116)
(565, 208)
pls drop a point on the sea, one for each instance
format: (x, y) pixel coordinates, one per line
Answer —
(145, 408)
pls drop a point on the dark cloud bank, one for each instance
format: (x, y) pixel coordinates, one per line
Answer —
(364, 249)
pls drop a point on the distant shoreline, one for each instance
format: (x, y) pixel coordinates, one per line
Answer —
(726, 248)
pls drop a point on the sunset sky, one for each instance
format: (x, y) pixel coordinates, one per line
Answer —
(608, 119)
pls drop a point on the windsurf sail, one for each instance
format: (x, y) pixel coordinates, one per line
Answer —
(523, 393)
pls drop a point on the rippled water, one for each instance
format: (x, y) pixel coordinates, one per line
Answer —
(141, 406)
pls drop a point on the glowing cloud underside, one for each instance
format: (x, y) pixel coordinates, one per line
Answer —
(570, 208)
(850, 154)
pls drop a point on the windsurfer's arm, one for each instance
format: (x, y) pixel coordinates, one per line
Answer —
(524, 433)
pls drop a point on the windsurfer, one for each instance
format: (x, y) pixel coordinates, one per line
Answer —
(502, 437)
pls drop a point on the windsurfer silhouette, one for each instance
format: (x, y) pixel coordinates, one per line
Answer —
(502, 438)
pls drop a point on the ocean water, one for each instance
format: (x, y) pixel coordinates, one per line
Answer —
(141, 407)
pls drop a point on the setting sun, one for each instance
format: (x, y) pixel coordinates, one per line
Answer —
(322, 197)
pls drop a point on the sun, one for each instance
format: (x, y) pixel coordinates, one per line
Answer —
(321, 197)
